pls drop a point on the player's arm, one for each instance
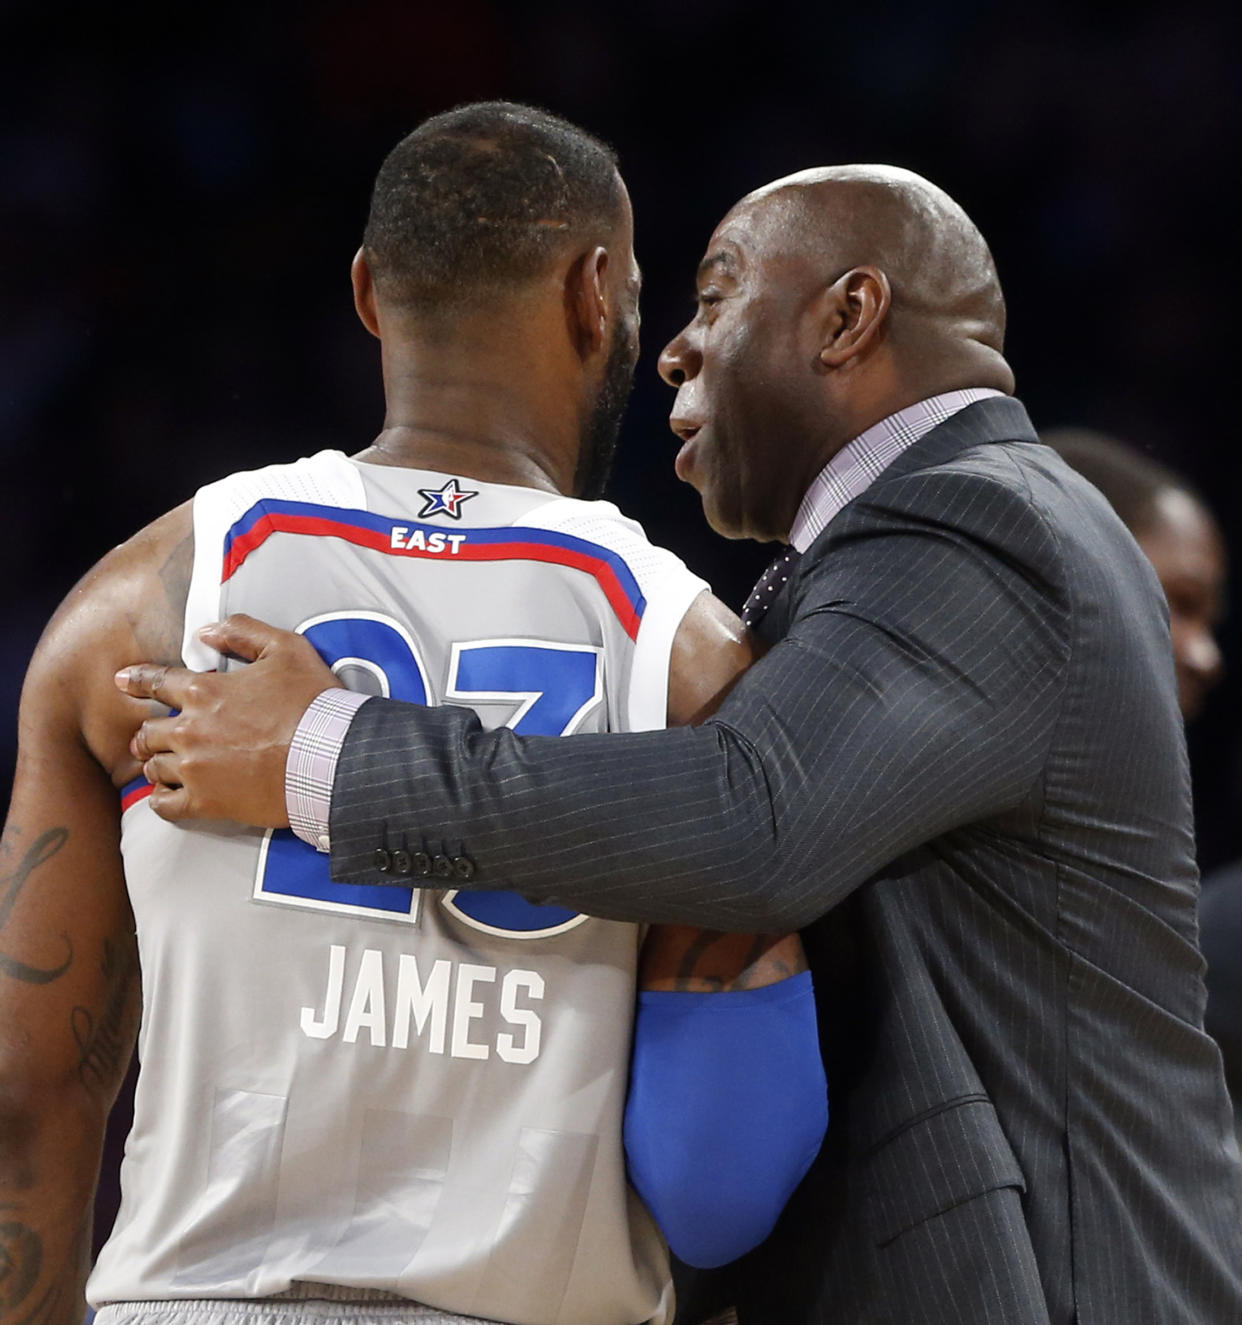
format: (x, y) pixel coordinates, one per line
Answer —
(69, 987)
(728, 1102)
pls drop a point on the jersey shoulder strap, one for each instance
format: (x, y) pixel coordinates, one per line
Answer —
(325, 479)
(666, 585)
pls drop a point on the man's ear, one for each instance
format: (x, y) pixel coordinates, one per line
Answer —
(587, 303)
(853, 311)
(364, 292)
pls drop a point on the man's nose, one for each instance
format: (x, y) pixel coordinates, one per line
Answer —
(680, 360)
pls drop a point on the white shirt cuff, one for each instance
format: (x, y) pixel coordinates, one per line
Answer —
(311, 765)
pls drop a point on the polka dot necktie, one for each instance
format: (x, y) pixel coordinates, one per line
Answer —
(770, 584)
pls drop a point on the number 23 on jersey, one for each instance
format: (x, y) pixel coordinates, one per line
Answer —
(551, 687)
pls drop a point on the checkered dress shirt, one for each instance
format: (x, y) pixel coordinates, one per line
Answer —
(311, 765)
(859, 463)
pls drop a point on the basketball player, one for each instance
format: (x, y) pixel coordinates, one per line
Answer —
(374, 1102)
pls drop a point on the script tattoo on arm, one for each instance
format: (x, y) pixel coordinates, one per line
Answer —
(44, 848)
(104, 1044)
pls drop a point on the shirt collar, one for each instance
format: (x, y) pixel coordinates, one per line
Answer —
(859, 463)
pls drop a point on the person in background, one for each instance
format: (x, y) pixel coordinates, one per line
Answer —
(1178, 535)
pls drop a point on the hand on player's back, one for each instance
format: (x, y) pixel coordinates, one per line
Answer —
(223, 754)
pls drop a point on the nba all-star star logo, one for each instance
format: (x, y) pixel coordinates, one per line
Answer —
(445, 501)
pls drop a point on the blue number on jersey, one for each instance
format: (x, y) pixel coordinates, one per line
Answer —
(290, 870)
(555, 686)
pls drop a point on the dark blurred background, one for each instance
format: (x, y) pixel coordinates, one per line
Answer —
(180, 197)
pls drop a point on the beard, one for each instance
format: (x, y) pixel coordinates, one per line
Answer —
(599, 437)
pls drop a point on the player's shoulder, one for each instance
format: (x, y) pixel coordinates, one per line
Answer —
(127, 608)
(136, 590)
(600, 525)
(327, 478)
(603, 517)
(603, 525)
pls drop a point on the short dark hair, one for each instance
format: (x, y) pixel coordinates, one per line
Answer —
(481, 199)
(1129, 480)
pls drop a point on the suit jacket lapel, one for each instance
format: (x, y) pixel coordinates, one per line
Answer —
(997, 419)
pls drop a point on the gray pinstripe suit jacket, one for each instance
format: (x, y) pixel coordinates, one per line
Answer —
(961, 771)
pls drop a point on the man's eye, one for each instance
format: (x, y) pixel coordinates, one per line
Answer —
(708, 298)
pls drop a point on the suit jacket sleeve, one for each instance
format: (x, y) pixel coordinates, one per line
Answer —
(917, 690)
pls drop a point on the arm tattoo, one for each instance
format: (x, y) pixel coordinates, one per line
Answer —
(103, 1046)
(49, 1309)
(21, 1259)
(689, 978)
(759, 945)
(695, 973)
(44, 848)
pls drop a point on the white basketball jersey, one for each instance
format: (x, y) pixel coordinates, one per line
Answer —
(381, 1087)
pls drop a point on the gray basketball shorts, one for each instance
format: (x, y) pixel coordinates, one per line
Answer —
(306, 1305)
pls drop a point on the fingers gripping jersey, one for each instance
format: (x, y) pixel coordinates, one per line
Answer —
(377, 1087)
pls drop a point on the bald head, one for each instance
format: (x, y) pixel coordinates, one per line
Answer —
(946, 297)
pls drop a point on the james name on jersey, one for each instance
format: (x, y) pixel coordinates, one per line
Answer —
(463, 1009)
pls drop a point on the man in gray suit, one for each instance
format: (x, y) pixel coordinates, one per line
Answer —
(960, 769)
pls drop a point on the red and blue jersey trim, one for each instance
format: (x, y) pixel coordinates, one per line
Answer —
(133, 792)
(368, 530)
